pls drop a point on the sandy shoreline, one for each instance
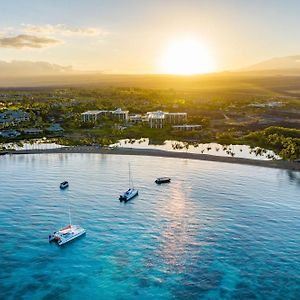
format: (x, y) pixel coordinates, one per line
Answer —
(162, 153)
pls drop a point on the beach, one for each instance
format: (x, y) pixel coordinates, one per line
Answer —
(279, 164)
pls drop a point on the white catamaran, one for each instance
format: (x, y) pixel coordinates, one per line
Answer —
(67, 233)
(131, 192)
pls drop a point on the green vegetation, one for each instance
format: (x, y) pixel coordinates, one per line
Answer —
(284, 141)
(240, 115)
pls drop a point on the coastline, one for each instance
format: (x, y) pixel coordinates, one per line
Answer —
(279, 164)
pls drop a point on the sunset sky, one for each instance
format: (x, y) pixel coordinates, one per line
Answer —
(141, 36)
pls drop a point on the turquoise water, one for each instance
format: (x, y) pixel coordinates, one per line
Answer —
(217, 231)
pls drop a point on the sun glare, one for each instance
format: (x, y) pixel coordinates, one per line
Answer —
(187, 57)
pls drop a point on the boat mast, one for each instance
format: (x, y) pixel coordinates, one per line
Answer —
(130, 177)
(70, 222)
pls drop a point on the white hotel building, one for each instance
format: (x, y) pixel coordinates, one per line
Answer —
(94, 115)
(157, 119)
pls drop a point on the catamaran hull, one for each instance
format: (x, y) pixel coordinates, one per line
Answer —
(60, 243)
(129, 197)
(60, 239)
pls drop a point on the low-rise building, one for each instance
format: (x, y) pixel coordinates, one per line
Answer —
(176, 118)
(55, 128)
(136, 119)
(32, 131)
(9, 133)
(187, 127)
(272, 104)
(13, 117)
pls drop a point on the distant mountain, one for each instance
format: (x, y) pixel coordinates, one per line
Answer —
(19, 69)
(273, 77)
(283, 65)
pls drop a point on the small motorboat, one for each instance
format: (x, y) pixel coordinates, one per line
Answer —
(129, 194)
(161, 180)
(67, 234)
(64, 185)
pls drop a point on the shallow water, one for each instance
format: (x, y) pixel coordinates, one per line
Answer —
(217, 231)
(240, 151)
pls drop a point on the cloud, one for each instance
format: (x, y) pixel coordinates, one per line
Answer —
(27, 41)
(62, 29)
(41, 36)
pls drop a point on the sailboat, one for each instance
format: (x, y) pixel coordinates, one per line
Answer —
(67, 233)
(131, 192)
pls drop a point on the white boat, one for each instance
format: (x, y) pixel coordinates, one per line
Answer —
(67, 234)
(131, 192)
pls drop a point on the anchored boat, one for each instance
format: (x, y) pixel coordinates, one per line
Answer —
(161, 180)
(131, 192)
(64, 185)
(67, 233)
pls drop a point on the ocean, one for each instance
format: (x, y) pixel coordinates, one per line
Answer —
(217, 231)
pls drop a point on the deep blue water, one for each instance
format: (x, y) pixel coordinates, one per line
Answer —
(217, 231)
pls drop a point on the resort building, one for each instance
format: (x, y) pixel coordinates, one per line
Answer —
(120, 114)
(176, 118)
(94, 115)
(155, 119)
(158, 119)
(187, 127)
(91, 115)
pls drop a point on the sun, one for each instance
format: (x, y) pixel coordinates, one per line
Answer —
(187, 57)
